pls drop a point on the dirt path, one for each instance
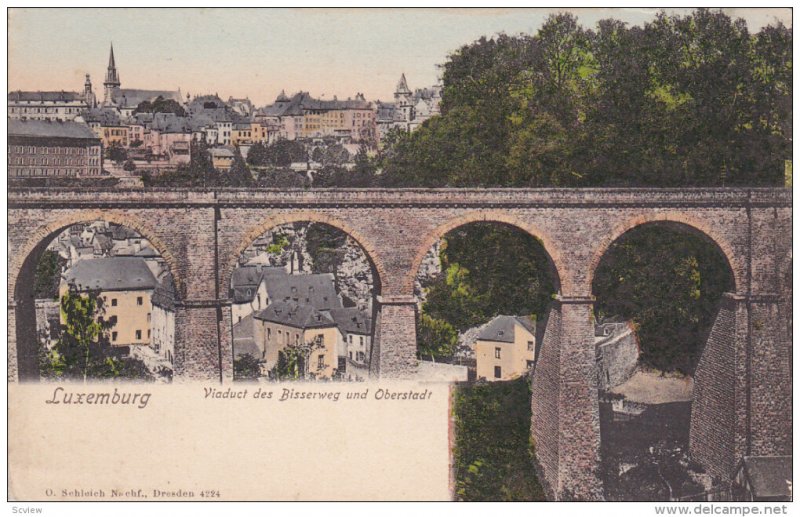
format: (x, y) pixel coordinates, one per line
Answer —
(651, 388)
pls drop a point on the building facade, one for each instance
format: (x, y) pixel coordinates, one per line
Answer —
(38, 148)
(287, 324)
(505, 348)
(126, 286)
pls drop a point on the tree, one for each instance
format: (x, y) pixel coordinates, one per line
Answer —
(293, 362)
(161, 105)
(246, 367)
(668, 282)
(279, 178)
(129, 165)
(514, 276)
(435, 338)
(325, 245)
(238, 175)
(116, 153)
(685, 100)
(335, 155)
(492, 453)
(48, 275)
(83, 350)
(280, 153)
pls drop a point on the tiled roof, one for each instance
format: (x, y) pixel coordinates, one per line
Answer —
(105, 116)
(45, 96)
(501, 328)
(350, 320)
(44, 128)
(111, 274)
(246, 279)
(295, 315)
(316, 290)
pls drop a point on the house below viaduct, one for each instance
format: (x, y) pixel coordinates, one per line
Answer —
(742, 398)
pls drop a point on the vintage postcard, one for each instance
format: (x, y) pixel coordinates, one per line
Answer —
(400, 255)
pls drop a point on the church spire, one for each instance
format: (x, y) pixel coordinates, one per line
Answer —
(111, 83)
(112, 79)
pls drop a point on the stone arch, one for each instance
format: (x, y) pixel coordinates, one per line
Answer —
(44, 234)
(675, 218)
(22, 342)
(490, 216)
(275, 220)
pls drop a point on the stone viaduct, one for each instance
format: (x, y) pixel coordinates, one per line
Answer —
(742, 399)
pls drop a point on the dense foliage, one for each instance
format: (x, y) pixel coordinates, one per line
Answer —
(161, 105)
(48, 275)
(493, 455)
(690, 100)
(83, 350)
(281, 153)
(668, 282)
(325, 244)
(487, 269)
(246, 368)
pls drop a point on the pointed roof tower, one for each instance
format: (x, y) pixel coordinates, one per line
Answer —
(112, 79)
(402, 85)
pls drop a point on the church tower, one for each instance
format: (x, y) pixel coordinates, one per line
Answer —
(88, 94)
(111, 83)
(402, 99)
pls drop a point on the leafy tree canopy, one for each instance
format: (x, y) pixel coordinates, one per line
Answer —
(161, 105)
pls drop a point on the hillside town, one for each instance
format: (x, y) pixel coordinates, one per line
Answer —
(123, 132)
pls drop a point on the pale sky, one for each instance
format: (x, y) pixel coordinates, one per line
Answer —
(259, 52)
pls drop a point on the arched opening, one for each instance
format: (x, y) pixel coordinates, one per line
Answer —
(94, 300)
(485, 290)
(658, 288)
(303, 305)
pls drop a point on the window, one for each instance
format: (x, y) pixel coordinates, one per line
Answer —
(497, 372)
(112, 320)
(113, 302)
(361, 340)
(530, 346)
(148, 317)
(148, 333)
(320, 362)
(113, 336)
(269, 331)
(350, 339)
(138, 334)
(497, 353)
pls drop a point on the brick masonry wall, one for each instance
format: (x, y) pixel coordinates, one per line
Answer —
(771, 382)
(579, 410)
(197, 350)
(398, 341)
(712, 427)
(544, 402)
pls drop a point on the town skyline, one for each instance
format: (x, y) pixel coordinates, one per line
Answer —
(326, 52)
